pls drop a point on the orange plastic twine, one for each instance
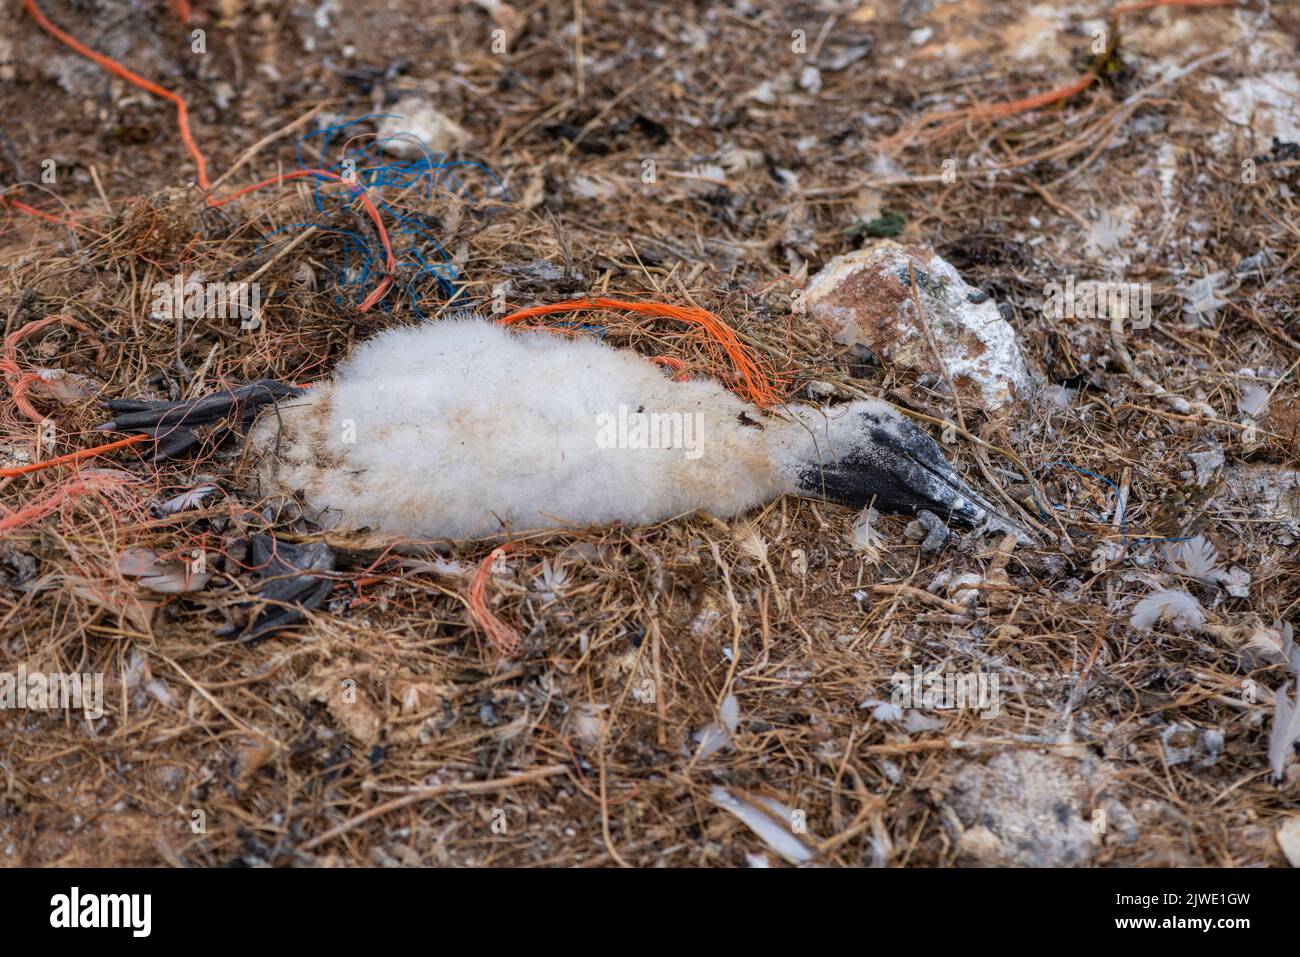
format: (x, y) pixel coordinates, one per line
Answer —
(674, 363)
(31, 211)
(20, 382)
(1040, 100)
(117, 69)
(1085, 81)
(503, 637)
(72, 457)
(43, 507)
(182, 9)
(752, 379)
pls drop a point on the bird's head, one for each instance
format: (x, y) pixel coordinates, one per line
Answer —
(867, 452)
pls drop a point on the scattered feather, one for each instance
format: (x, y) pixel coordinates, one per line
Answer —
(66, 387)
(717, 736)
(963, 588)
(1195, 558)
(769, 820)
(416, 129)
(1286, 729)
(764, 93)
(587, 187)
(753, 545)
(551, 583)
(167, 577)
(1255, 262)
(1106, 234)
(438, 566)
(846, 58)
(1254, 401)
(1276, 643)
(119, 600)
(705, 178)
(735, 160)
(138, 561)
(1202, 298)
(1174, 755)
(1236, 581)
(1207, 464)
(918, 723)
(187, 500)
(176, 579)
(810, 80)
(504, 16)
(589, 722)
(1172, 604)
(159, 691)
(864, 538)
(883, 710)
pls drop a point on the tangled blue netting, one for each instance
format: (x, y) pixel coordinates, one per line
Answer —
(424, 268)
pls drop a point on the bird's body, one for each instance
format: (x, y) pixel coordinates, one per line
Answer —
(465, 429)
(462, 429)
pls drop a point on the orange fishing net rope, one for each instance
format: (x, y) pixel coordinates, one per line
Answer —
(752, 379)
(503, 637)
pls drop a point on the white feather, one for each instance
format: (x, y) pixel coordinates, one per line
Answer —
(717, 736)
(865, 538)
(1194, 558)
(1286, 729)
(187, 500)
(1171, 604)
(771, 823)
(1254, 400)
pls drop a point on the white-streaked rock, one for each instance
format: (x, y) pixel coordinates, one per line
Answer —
(866, 298)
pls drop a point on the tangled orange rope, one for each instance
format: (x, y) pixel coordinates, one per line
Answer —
(20, 382)
(503, 637)
(39, 509)
(117, 69)
(752, 378)
(72, 457)
(31, 211)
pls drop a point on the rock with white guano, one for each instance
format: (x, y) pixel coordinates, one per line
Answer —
(866, 298)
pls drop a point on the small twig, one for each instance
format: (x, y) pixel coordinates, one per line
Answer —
(425, 794)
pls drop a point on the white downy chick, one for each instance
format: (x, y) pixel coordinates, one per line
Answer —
(465, 429)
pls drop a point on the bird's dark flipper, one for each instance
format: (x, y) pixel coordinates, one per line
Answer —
(179, 426)
(292, 580)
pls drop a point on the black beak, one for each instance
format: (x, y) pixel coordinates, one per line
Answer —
(901, 469)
